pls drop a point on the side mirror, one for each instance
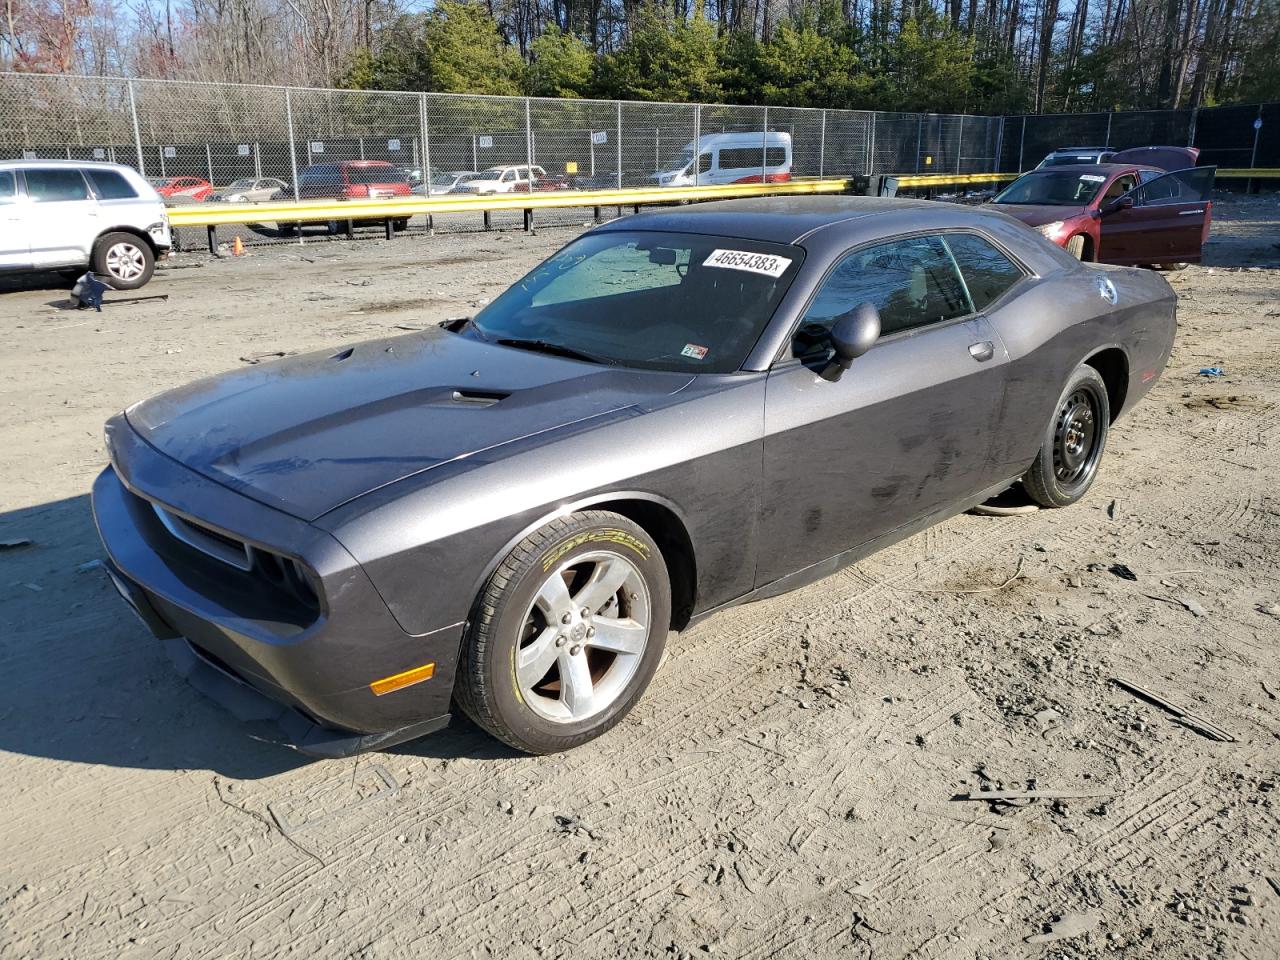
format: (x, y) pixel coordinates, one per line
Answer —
(851, 337)
(1121, 203)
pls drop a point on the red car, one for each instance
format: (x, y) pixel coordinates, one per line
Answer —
(352, 180)
(1144, 206)
(192, 189)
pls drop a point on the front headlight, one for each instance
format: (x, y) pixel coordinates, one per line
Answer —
(1051, 230)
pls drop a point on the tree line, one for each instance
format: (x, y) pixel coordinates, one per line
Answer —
(971, 56)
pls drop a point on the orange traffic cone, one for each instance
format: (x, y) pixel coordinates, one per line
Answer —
(237, 247)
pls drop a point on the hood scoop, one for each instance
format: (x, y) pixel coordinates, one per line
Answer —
(475, 398)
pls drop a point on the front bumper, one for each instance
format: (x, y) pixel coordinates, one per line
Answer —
(307, 673)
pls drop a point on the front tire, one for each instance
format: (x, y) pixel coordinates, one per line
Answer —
(567, 633)
(1072, 445)
(124, 260)
(1075, 246)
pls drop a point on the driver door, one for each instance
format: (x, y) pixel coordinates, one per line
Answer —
(903, 434)
(1167, 222)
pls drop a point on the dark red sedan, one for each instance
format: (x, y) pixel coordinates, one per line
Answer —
(1146, 206)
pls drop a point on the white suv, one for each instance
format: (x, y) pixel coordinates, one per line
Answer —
(512, 179)
(61, 214)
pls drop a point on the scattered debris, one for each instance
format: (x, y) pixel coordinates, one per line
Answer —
(991, 589)
(269, 355)
(995, 510)
(88, 565)
(14, 544)
(1067, 926)
(1010, 795)
(1271, 610)
(405, 326)
(574, 824)
(1111, 510)
(1212, 372)
(1123, 572)
(1266, 689)
(1199, 725)
(1192, 606)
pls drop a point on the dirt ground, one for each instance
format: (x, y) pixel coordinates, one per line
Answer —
(785, 789)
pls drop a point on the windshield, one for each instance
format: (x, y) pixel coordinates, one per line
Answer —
(658, 301)
(1057, 188)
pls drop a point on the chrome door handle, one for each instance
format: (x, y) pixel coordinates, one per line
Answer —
(983, 350)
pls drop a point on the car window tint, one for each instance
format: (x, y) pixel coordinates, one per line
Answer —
(8, 186)
(911, 282)
(109, 185)
(50, 186)
(704, 163)
(987, 272)
(740, 158)
(1120, 186)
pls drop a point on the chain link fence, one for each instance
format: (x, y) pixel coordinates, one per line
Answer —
(223, 134)
(1236, 136)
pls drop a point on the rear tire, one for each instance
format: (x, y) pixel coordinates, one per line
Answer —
(1073, 443)
(124, 260)
(566, 634)
(1075, 246)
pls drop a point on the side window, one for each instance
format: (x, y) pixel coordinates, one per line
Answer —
(704, 162)
(8, 186)
(987, 272)
(51, 186)
(109, 185)
(1120, 186)
(739, 158)
(776, 156)
(912, 283)
(508, 176)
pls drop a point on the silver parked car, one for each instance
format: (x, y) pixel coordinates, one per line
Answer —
(250, 190)
(61, 214)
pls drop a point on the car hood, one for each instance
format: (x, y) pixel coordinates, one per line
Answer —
(1034, 215)
(310, 433)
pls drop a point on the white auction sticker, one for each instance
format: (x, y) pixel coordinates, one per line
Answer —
(765, 263)
(1093, 178)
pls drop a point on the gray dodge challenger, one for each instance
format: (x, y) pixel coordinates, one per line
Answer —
(677, 412)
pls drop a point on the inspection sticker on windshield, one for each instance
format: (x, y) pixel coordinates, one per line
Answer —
(765, 263)
(694, 350)
(1092, 178)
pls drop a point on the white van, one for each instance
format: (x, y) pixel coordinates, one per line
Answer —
(755, 157)
(71, 214)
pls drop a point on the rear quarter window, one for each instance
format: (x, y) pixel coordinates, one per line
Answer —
(987, 272)
(8, 186)
(109, 185)
(51, 186)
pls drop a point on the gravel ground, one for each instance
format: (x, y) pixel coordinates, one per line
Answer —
(786, 787)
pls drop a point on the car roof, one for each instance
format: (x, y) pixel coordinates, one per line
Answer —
(1107, 168)
(1082, 149)
(791, 219)
(100, 164)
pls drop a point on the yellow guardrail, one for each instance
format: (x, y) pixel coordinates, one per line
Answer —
(214, 214)
(948, 179)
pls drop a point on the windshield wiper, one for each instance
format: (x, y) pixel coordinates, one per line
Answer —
(558, 349)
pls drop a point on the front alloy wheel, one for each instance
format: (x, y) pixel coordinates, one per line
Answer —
(567, 633)
(124, 260)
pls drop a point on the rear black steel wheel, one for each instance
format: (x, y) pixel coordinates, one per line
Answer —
(567, 633)
(1073, 443)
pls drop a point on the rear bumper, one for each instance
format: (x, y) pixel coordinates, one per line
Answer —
(307, 674)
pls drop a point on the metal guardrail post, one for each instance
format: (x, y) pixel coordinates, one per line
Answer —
(998, 161)
(137, 133)
(425, 133)
(208, 161)
(1191, 127)
(764, 148)
(293, 153)
(1022, 142)
(871, 151)
(1253, 157)
(697, 142)
(619, 183)
(960, 146)
(919, 139)
(528, 143)
(1106, 139)
(822, 146)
